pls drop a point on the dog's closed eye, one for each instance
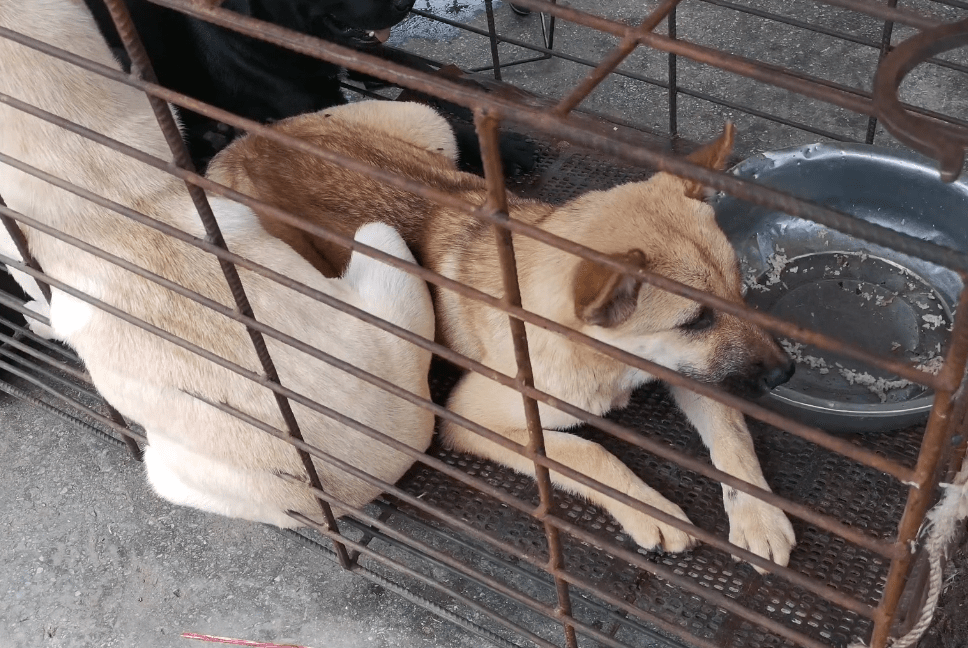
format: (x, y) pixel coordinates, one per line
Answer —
(704, 319)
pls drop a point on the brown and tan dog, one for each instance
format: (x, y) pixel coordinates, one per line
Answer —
(661, 224)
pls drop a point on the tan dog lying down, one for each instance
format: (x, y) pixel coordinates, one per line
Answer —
(197, 455)
(659, 224)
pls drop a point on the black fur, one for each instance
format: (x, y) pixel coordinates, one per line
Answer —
(256, 79)
(244, 75)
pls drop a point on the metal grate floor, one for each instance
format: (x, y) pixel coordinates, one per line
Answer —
(794, 469)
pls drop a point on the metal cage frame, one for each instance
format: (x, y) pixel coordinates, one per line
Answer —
(941, 136)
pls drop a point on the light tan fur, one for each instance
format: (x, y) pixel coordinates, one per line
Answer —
(661, 224)
(198, 455)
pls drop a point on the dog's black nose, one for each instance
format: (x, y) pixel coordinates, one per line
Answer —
(403, 5)
(778, 375)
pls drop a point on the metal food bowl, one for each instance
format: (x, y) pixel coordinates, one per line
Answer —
(869, 296)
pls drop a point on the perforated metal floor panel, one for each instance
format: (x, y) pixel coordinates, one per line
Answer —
(860, 496)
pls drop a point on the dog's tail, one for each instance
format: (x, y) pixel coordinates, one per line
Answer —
(388, 292)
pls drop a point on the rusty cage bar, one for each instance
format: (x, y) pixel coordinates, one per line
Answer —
(595, 586)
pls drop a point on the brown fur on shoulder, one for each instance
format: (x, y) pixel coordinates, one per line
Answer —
(251, 167)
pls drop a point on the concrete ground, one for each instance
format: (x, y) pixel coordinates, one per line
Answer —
(90, 557)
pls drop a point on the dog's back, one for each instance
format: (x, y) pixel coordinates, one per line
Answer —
(198, 455)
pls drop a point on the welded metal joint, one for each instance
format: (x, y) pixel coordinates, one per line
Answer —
(945, 143)
(610, 63)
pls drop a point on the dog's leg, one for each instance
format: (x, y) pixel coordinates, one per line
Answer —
(753, 524)
(499, 408)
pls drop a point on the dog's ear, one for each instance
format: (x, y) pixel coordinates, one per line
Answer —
(604, 297)
(712, 156)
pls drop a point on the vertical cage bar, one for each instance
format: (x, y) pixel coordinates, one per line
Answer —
(960, 421)
(487, 128)
(673, 82)
(492, 36)
(941, 424)
(615, 58)
(885, 48)
(20, 241)
(141, 63)
(548, 36)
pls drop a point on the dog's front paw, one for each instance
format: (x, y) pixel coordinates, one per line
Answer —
(650, 533)
(759, 527)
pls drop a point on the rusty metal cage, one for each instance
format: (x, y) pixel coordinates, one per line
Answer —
(463, 533)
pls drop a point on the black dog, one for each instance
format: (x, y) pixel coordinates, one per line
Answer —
(262, 81)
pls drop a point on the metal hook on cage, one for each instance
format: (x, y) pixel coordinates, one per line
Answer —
(943, 142)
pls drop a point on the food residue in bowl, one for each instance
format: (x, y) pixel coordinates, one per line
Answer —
(885, 307)
(777, 262)
(932, 322)
(795, 350)
(879, 386)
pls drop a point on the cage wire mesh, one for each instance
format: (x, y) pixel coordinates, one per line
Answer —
(606, 98)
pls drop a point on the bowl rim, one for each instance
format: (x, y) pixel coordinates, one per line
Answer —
(922, 403)
(817, 150)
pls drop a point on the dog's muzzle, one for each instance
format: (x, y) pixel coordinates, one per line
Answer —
(760, 378)
(778, 375)
(361, 31)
